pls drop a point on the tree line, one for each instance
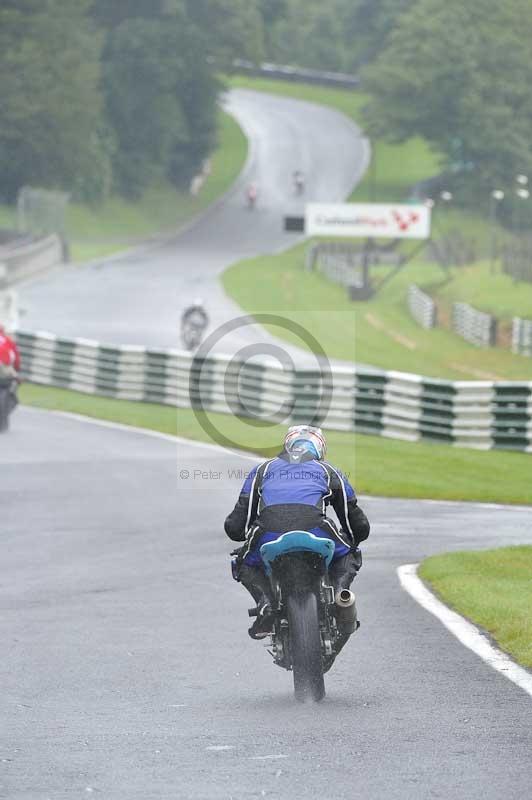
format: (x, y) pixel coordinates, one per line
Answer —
(458, 74)
(102, 96)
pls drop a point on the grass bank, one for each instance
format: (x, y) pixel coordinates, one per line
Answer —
(379, 332)
(493, 588)
(376, 466)
(118, 224)
(498, 294)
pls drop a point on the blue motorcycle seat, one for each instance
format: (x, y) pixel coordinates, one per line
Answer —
(296, 541)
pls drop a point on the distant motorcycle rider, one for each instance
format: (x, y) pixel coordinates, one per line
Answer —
(194, 323)
(252, 193)
(9, 362)
(292, 492)
(299, 181)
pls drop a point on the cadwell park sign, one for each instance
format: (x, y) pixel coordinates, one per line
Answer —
(368, 220)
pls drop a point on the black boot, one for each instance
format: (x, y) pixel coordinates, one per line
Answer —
(257, 584)
(263, 624)
(343, 571)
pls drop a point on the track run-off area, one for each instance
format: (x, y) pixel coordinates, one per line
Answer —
(127, 671)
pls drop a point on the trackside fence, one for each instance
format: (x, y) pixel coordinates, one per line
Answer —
(465, 413)
(285, 72)
(29, 258)
(474, 326)
(522, 336)
(422, 307)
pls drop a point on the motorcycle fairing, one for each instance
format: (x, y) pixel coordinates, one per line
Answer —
(293, 542)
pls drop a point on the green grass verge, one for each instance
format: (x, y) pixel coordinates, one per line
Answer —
(397, 166)
(498, 294)
(376, 466)
(493, 589)
(379, 332)
(118, 224)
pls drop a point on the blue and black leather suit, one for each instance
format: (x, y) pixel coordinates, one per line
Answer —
(283, 495)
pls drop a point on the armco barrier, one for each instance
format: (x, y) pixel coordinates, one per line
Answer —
(422, 307)
(297, 74)
(522, 336)
(30, 259)
(9, 309)
(344, 263)
(474, 326)
(465, 413)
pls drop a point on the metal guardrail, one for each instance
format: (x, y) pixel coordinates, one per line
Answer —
(18, 263)
(344, 263)
(517, 259)
(474, 326)
(9, 316)
(422, 307)
(394, 404)
(297, 74)
(522, 336)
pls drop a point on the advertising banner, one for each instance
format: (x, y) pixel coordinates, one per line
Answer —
(368, 220)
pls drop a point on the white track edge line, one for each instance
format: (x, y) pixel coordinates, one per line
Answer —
(465, 631)
(119, 426)
(104, 423)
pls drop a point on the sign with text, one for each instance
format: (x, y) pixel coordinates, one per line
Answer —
(368, 220)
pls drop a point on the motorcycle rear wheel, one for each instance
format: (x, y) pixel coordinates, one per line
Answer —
(305, 646)
(4, 410)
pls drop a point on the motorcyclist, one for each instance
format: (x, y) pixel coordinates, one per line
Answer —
(299, 181)
(196, 316)
(252, 192)
(9, 361)
(291, 492)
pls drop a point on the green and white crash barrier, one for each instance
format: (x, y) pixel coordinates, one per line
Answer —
(478, 414)
(522, 336)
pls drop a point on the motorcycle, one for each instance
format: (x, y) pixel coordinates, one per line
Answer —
(8, 397)
(299, 183)
(311, 623)
(251, 197)
(192, 330)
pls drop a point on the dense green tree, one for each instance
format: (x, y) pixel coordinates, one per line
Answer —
(232, 28)
(110, 13)
(309, 34)
(161, 98)
(366, 26)
(339, 34)
(51, 127)
(271, 11)
(460, 75)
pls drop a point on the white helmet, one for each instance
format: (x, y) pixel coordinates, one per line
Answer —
(306, 438)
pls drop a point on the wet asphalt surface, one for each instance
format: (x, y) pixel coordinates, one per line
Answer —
(127, 671)
(138, 298)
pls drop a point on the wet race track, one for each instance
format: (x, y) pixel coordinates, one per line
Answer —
(128, 671)
(139, 298)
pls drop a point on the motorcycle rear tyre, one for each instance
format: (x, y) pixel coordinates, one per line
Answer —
(305, 646)
(5, 402)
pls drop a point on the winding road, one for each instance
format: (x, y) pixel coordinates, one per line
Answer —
(127, 671)
(138, 298)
